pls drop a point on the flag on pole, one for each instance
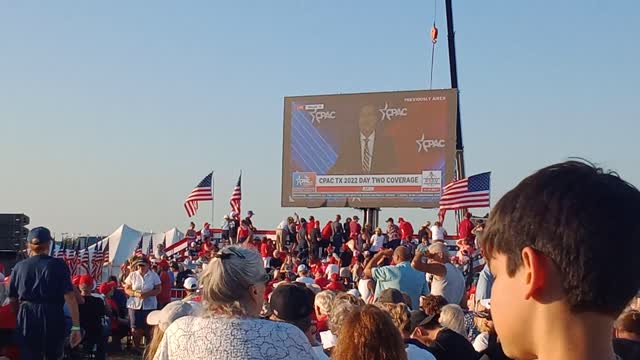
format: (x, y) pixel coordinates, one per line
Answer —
(202, 192)
(236, 197)
(84, 260)
(164, 242)
(74, 258)
(471, 192)
(138, 250)
(62, 252)
(96, 262)
(150, 247)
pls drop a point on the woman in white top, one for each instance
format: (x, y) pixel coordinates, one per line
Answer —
(438, 232)
(233, 289)
(377, 240)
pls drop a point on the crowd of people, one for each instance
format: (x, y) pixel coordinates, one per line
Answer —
(553, 286)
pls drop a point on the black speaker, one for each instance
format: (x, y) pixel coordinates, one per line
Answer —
(12, 243)
(14, 219)
(7, 231)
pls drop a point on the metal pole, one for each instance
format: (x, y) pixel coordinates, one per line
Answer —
(453, 68)
(212, 199)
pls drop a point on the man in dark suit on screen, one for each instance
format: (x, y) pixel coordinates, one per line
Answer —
(368, 151)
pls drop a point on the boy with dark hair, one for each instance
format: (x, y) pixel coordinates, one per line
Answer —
(559, 280)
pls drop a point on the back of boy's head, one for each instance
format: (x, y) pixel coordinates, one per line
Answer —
(585, 221)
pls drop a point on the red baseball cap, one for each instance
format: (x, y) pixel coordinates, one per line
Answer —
(86, 280)
(106, 287)
(335, 277)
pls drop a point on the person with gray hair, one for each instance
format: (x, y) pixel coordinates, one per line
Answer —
(452, 317)
(233, 287)
(448, 280)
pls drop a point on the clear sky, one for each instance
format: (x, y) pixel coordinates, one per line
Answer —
(110, 112)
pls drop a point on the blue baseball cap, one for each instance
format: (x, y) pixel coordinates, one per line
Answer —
(39, 235)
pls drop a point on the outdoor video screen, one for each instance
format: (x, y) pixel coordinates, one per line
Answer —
(370, 150)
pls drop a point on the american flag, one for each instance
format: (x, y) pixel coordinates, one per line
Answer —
(472, 192)
(202, 192)
(150, 247)
(84, 260)
(75, 259)
(138, 250)
(105, 253)
(96, 262)
(236, 197)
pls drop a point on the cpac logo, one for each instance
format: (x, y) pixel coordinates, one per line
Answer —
(317, 116)
(388, 113)
(426, 144)
(303, 180)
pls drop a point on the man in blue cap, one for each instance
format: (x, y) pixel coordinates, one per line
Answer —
(39, 287)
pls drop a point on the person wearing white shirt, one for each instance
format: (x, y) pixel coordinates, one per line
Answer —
(282, 233)
(303, 272)
(377, 241)
(438, 232)
(142, 286)
(448, 280)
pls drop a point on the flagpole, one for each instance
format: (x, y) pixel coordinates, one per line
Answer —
(212, 197)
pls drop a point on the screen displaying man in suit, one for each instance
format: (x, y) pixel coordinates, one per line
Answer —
(368, 151)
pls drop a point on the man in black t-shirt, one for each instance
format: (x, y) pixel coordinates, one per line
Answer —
(182, 276)
(443, 343)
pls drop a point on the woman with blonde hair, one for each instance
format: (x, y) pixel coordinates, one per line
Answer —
(452, 317)
(369, 333)
(233, 287)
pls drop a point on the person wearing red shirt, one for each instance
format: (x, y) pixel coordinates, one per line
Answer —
(311, 224)
(406, 229)
(266, 249)
(314, 263)
(335, 284)
(355, 228)
(320, 280)
(165, 281)
(465, 229)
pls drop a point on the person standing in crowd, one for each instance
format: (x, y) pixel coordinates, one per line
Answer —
(282, 232)
(92, 310)
(448, 280)
(293, 233)
(314, 238)
(164, 297)
(233, 287)
(438, 233)
(560, 279)
(234, 224)
(354, 230)
(206, 233)
(346, 229)
(369, 333)
(627, 335)
(38, 290)
(465, 230)
(367, 232)
(336, 234)
(224, 236)
(249, 221)
(142, 286)
(326, 236)
(244, 232)
(393, 233)
(424, 232)
(400, 276)
(303, 241)
(443, 343)
(191, 233)
(406, 230)
(377, 242)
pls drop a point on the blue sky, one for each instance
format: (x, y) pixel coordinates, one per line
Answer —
(110, 112)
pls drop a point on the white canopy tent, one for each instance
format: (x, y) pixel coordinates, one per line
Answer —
(123, 241)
